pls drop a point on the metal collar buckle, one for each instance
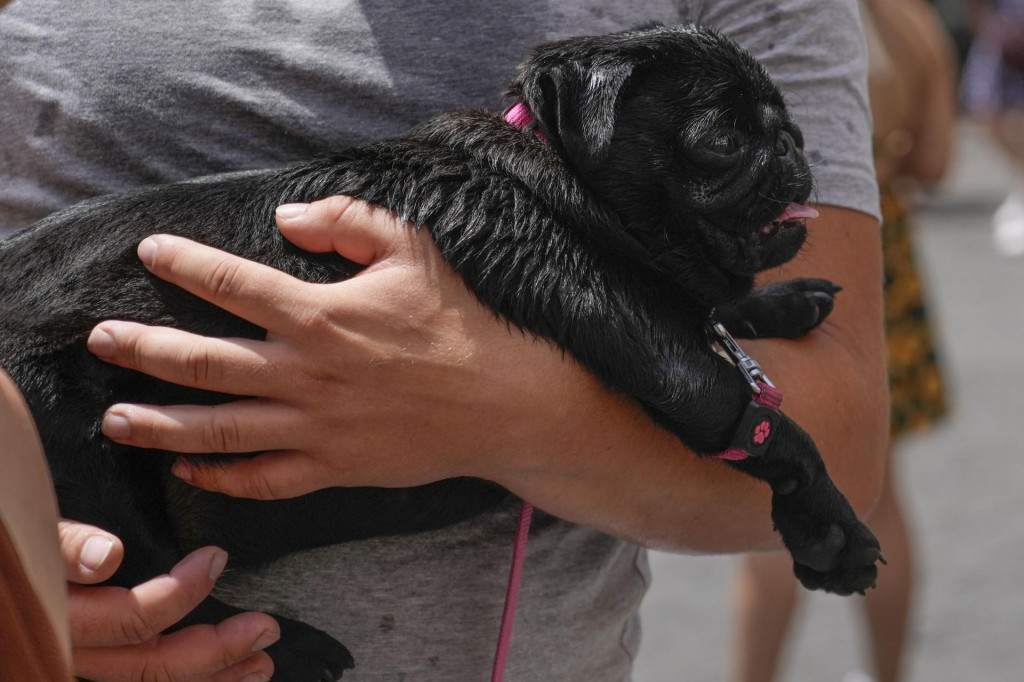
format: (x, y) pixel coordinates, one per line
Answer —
(747, 365)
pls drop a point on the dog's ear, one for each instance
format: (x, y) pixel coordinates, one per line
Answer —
(576, 104)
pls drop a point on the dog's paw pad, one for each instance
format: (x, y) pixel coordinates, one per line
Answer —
(824, 555)
(853, 569)
(831, 549)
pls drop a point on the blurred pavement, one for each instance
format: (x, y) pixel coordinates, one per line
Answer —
(963, 483)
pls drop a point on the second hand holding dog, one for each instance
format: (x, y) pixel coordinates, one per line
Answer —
(325, 407)
(117, 632)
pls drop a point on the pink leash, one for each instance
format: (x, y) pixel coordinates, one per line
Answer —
(512, 592)
(518, 115)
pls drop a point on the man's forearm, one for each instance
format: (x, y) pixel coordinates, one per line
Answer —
(609, 466)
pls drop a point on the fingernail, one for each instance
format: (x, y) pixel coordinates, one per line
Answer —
(265, 640)
(182, 471)
(217, 563)
(290, 211)
(116, 426)
(147, 251)
(100, 343)
(256, 677)
(95, 551)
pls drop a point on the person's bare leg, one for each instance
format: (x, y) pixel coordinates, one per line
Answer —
(888, 605)
(28, 509)
(764, 597)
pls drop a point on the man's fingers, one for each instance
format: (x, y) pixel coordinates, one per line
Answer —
(359, 231)
(239, 427)
(255, 292)
(257, 668)
(90, 555)
(214, 364)
(271, 476)
(108, 616)
(214, 653)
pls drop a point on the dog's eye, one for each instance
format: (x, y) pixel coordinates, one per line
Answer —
(724, 144)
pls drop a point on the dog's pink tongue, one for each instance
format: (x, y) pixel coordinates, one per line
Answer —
(796, 212)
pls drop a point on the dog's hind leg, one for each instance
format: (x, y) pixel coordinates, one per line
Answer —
(106, 498)
(303, 654)
(786, 310)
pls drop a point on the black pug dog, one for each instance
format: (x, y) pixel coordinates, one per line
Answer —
(668, 178)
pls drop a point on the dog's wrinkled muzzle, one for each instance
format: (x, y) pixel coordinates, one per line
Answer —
(759, 248)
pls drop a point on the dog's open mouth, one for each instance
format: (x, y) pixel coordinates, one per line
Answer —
(792, 217)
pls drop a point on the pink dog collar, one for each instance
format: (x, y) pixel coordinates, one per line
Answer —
(521, 117)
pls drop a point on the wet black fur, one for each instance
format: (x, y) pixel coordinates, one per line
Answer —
(670, 151)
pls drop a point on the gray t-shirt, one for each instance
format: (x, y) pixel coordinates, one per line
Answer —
(99, 96)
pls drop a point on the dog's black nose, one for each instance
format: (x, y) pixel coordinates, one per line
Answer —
(785, 145)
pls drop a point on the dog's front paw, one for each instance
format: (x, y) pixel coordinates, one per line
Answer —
(305, 654)
(833, 552)
(788, 309)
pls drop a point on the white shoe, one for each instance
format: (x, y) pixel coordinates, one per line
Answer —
(1008, 226)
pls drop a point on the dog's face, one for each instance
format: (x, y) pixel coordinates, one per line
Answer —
(685, 136)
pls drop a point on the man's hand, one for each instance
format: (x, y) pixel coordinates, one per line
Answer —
(375, 381)
(115, 632)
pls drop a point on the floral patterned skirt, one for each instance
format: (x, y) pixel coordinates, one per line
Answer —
(915, 376)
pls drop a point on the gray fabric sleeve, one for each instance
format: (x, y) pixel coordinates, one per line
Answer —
(815, 51)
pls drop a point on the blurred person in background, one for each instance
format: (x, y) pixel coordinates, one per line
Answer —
(912, 88)
(993, 93)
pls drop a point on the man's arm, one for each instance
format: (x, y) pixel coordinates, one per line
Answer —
(347, 396)
(835, 387)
